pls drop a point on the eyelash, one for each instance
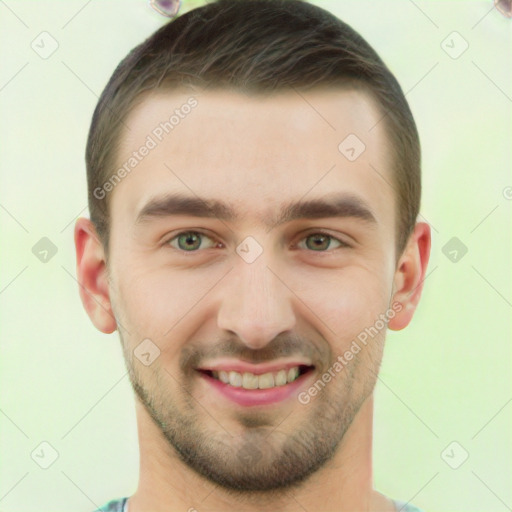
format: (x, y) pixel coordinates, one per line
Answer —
(195, 232)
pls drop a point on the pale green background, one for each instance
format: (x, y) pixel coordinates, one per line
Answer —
(445, 378)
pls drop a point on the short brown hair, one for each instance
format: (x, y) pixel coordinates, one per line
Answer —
(255, 46)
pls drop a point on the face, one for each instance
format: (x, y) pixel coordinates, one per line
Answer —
(267, 288)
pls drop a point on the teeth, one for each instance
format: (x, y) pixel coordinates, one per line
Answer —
(293, 373)
(281, 378)
(252, 381)
(235, 379)
(266, 381)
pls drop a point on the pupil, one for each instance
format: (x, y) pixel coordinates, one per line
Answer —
(189, 238)
(319, 240)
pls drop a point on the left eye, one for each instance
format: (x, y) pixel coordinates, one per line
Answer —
(190, 241)
(322, 241)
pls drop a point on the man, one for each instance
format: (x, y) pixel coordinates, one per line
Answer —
(254, 184)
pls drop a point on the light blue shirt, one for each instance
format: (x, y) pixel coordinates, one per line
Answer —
(119, 505)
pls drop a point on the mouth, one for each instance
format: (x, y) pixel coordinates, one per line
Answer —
(251, 388)
(248, 380)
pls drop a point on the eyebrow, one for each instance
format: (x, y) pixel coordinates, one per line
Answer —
(329, 206)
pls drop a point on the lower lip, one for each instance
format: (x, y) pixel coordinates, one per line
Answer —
(252, 397)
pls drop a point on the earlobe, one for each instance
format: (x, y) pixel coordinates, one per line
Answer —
(410, 274)
(92, 276)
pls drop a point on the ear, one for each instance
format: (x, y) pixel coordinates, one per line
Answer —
(410, 274)
(91, 269)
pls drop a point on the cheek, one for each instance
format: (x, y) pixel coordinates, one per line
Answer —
(347, 301)
(155, 301)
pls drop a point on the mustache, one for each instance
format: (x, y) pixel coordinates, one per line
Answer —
(285, 345)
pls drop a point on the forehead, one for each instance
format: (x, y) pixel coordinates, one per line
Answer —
(254, 152)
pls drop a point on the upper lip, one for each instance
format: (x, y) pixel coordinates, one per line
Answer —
(228, 365)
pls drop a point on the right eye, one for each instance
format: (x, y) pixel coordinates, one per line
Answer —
(188, 241)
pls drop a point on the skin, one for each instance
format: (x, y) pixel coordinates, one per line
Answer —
(256, 153)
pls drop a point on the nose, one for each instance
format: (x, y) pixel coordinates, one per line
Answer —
(256, 304)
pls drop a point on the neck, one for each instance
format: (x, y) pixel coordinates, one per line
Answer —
(345, 483)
